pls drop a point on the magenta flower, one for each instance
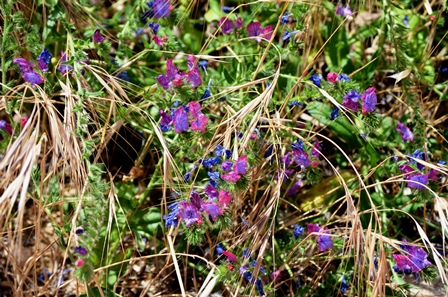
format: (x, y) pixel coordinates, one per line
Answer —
(180, 120)
(97, 37)
(415, 260)
(189, 214)
(231, 177)
(231, 257)
(275, 276)
(254, 29)
(194, 109)
(295, 188)
(211, 192)
(316, 149)
(344, 11)
(369, 100)
(166, 121)
(239, 23)
(194, 77)
(325, 242)
(5, 126)
(212, 209)
(332, 77)
(199, 123)
(197, 201)
(406, 169)
(226, 25)
(172, 77)
(406, 133)
(241, 165)
(224, 198)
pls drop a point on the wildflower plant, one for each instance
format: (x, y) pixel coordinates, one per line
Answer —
(269, 149)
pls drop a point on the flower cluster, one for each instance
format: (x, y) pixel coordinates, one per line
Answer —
(175, 78)
(417, 180)
(181, 121)
(368, 98)
(29, 74)
(413, 261)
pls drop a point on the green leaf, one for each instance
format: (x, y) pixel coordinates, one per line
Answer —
(214, 12)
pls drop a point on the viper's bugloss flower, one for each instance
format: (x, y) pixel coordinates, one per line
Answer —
(344, 285)
(239, 23)
(226, 165)
(332, 77)
(414, 260)
(195, 109)
(275, 276)
(302, 159)
(44, 60)
(344, 11)
(220, 151)
(287, 36)
(213, 175)
(285, 18)
(298, 230)
(351, 100)
(420, 155)
(298, 145)
(369, 100)
(187, 176)
(189, 214)
(5, 126)
(334, 113)
(343, 77)
(212, 209)
(160, 41)
(287, 159)
(219, 248)
(230, 257)
(194, 77)
(211, 192)
(158, 9)
(32, 77)
(211, 162)
(224, 198)
(97, 37)
(79, 263)
(203, 64)
(227, 9)
(226, 25)
(316, 149)
(248, 276)
(166, 121)
(154, 27)
(295, 188)
(197, 201)
(80, 250)
(406, 133)
(243, 269)
(79, 231)
(315, 78)
(172, 219)
(172, 77)
(405, 169)
(207, 93)
(23, 64)
(241, 165)
(180, 120)
(325, 242)
(231, 177)
(64, 68)
(124, 75)
(254, 29)
(259, 286)
(422, 179)
(246, 254)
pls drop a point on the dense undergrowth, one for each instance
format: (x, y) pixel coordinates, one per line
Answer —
(239, 148)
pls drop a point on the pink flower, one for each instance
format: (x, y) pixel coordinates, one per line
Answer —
(79, 263)
(332, 77)
(231, 177)
(231, 257)
(189, 214)
(224, 198)
(254, 29)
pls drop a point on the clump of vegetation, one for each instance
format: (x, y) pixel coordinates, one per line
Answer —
(253, 149)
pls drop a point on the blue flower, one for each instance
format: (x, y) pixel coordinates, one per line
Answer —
(157, 9)
(123, 76)
(288, 35)
(285, 18)
(343, 77)
(406, 21)
(298, 146)
(203, 64)
(295, 103)
(79, 231)
(187, 176)
(219, 249)
(172, 219)
(44, 60)
(227, 9)
(213, 175)
(298, 230)
(246, 253)
(154, 27)
(259, 286)
(211, 162)
(268, 152)
(207, 92)
(334, 113)
(315, 78)
(344, 285)
(441, 162)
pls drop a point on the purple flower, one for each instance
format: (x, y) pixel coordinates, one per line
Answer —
(239, 23)
(298, 230)
(194, 109)
(325, 242)
(44, 60)
(154, 27)
(352, 95)
(196, 200)
(189, 214)
(316, 149)
(344, 11)
(287, 159)
(166, 121)
(80, 250)
(180, 120)
(254, 29)
(295, 188)
(315, 78)
(302, 159)
(406, 169)
(158, 9)
(226, 165)
(226, 25)
(79, 231)
(32, 77)
(97, 37)
(211, 192)
(420, 178)
(299, 147)
(187, 176)
(172, 219)
(275, 276)
(224, 198)
(406, 133)
(259, 286)
(212, 209)
(194, 77)
(369, 100)
(243, 268)
(349, 104)
(414, 261)
(241, 165)
(5, 126)
(417, 154)
(172, 77)
(334, 113)
(231, 177)
(23, 64)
